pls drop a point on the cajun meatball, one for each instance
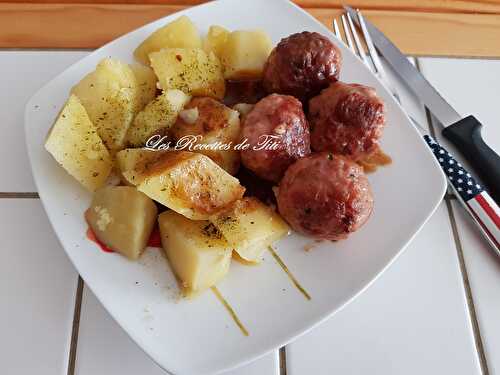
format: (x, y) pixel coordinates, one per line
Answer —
(346, 119)
(325, 196)
(276, 130)
(301, 65)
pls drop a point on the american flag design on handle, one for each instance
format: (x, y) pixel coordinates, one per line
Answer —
(479, 202)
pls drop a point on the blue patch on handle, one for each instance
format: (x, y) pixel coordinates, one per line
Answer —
(462, 180)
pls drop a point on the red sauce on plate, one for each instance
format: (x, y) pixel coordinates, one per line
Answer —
(154, 239)
(91, 236)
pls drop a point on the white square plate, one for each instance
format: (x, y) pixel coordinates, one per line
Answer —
(198, 336)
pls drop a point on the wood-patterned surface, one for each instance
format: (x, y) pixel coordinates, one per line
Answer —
(433, 28)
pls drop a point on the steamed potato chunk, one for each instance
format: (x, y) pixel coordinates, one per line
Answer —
(215, 40)
(110, 97)
(134, 162)
(74, 143)
(180, 33)
(245, 53)
(122, 218)
(250, 226)
(198, 254)
(190, 70)
(146, 84)
(159, 114)
(188, 183)
(216, 125)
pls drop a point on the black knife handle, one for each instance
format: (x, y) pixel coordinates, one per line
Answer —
(466, 136)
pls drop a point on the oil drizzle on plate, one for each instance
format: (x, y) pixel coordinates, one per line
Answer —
(289, 274)
(230, 310)
(235, 256)
(372, 162)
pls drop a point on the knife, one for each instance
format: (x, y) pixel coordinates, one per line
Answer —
(464, 133)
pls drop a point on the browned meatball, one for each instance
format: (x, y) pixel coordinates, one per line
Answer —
(346, 119)
(301, 65)
(325, 196)
(278, 122)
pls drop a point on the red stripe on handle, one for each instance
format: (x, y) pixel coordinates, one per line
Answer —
(486, 216)
(489, 210)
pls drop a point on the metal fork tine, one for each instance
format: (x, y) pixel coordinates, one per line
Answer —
(347, 34)
(336, 29)
(361, 51)
(369, 43)
(374, 56)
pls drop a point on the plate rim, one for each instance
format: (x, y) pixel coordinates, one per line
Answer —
(292, 334)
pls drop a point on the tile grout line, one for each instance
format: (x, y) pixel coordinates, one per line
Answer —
(478, 343)
(9, 195)
(92, 49)
(75, 327)
(282, 360)
(468, 292)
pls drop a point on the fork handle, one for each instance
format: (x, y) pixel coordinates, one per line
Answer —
(466, 136)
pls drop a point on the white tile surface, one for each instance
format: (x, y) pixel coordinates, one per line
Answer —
(37, 288)
(23, 73)
(476, 92)
(104, 348)
(411, 321)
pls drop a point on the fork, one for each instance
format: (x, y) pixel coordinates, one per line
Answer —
(372, 61)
